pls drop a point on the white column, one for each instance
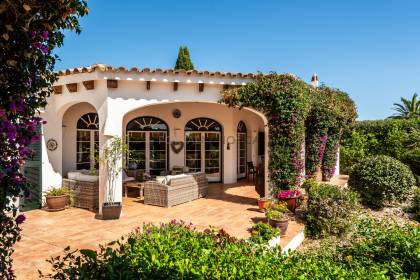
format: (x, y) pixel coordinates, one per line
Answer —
(110, 125)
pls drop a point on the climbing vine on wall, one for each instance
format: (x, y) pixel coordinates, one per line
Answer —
(284, 101)
(293, 109)
(331, 112)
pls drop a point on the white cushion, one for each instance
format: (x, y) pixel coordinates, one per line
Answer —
(161, 179)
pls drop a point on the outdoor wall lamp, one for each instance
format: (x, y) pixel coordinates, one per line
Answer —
(230, 140)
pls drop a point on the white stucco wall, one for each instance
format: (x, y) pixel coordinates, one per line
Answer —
(131, 99)
(227, 117)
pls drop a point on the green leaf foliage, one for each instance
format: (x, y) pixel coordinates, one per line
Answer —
(293, 109)
(376, 250)
(330, 211)
(381, 179)
(398, 138)
(183, 61)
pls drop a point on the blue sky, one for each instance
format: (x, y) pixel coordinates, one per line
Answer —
(370, 49)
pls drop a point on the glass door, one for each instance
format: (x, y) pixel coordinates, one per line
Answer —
(193, 151)
(137, 150)
(202, 153)
(241, 138)
(157, 152)
(212, 155)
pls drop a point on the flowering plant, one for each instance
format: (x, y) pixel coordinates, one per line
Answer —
(285, 194)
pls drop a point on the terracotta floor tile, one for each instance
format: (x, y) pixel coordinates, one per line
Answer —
(46, 234)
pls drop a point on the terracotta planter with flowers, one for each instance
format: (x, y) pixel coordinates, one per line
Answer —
(291, 197)
(263, 203)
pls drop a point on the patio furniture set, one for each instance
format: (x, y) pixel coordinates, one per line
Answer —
(165, 191)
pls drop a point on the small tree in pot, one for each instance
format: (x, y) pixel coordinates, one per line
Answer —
(111, 158)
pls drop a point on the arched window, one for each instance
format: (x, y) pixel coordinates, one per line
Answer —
(147, 139)
(87, 142)
(203, 147)
(242, 149)
(203, 124)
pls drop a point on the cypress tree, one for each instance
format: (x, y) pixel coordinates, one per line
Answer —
(184, 61)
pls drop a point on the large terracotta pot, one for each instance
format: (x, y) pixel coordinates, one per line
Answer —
(57, 202)
(280, 224)
(263, 204)
(111, 211)
(292, 204)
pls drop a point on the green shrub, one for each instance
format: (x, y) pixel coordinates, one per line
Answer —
(416, 203)
(383, 242)
(381, 179)
(309, 183)
(173, 251)
(391, 137)
(412, 159)
(330, 210)
(261, 233)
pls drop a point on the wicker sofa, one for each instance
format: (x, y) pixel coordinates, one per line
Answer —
(173, 190)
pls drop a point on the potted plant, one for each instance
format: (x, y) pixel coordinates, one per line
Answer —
(57, 198)
(292, 198)
(276, 215)
(111, 158)
(264, 203)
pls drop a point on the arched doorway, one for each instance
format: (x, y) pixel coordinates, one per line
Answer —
(147, 139)
(87, 142)
(203, 138)
(241, 139)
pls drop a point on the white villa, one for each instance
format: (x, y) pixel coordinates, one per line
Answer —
(168, 118)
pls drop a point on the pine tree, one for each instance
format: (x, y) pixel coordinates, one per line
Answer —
(184, 61)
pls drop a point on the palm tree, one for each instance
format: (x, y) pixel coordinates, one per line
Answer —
(408, 108)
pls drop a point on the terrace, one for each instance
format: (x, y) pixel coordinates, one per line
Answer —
(45, 234)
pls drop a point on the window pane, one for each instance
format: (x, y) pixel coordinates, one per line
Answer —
(83, 135)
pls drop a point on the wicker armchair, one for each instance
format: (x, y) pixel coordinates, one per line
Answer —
(179, 189)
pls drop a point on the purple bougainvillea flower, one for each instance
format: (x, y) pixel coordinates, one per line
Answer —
(37, 45)
(29, 82)
(45, 35)
(20, 219)
(32, 33)
(2, 112)
(44, 49)
(12, 107)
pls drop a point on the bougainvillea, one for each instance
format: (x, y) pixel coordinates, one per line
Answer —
(294, 109)
(284, 101)
(29, 31)
(332, 111)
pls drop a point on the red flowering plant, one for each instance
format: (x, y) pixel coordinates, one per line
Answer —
(30, 30)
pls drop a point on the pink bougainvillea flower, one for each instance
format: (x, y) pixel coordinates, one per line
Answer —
(285, 194)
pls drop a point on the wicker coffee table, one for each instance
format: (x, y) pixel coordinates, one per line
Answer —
(134, 185)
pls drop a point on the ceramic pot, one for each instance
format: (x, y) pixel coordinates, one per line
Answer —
(263, 204)
(280, 224)
(57, 202)
(111, 211)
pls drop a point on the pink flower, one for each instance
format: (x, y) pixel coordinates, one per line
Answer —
(285, 194)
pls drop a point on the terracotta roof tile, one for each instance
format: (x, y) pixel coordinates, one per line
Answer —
(121, 69)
